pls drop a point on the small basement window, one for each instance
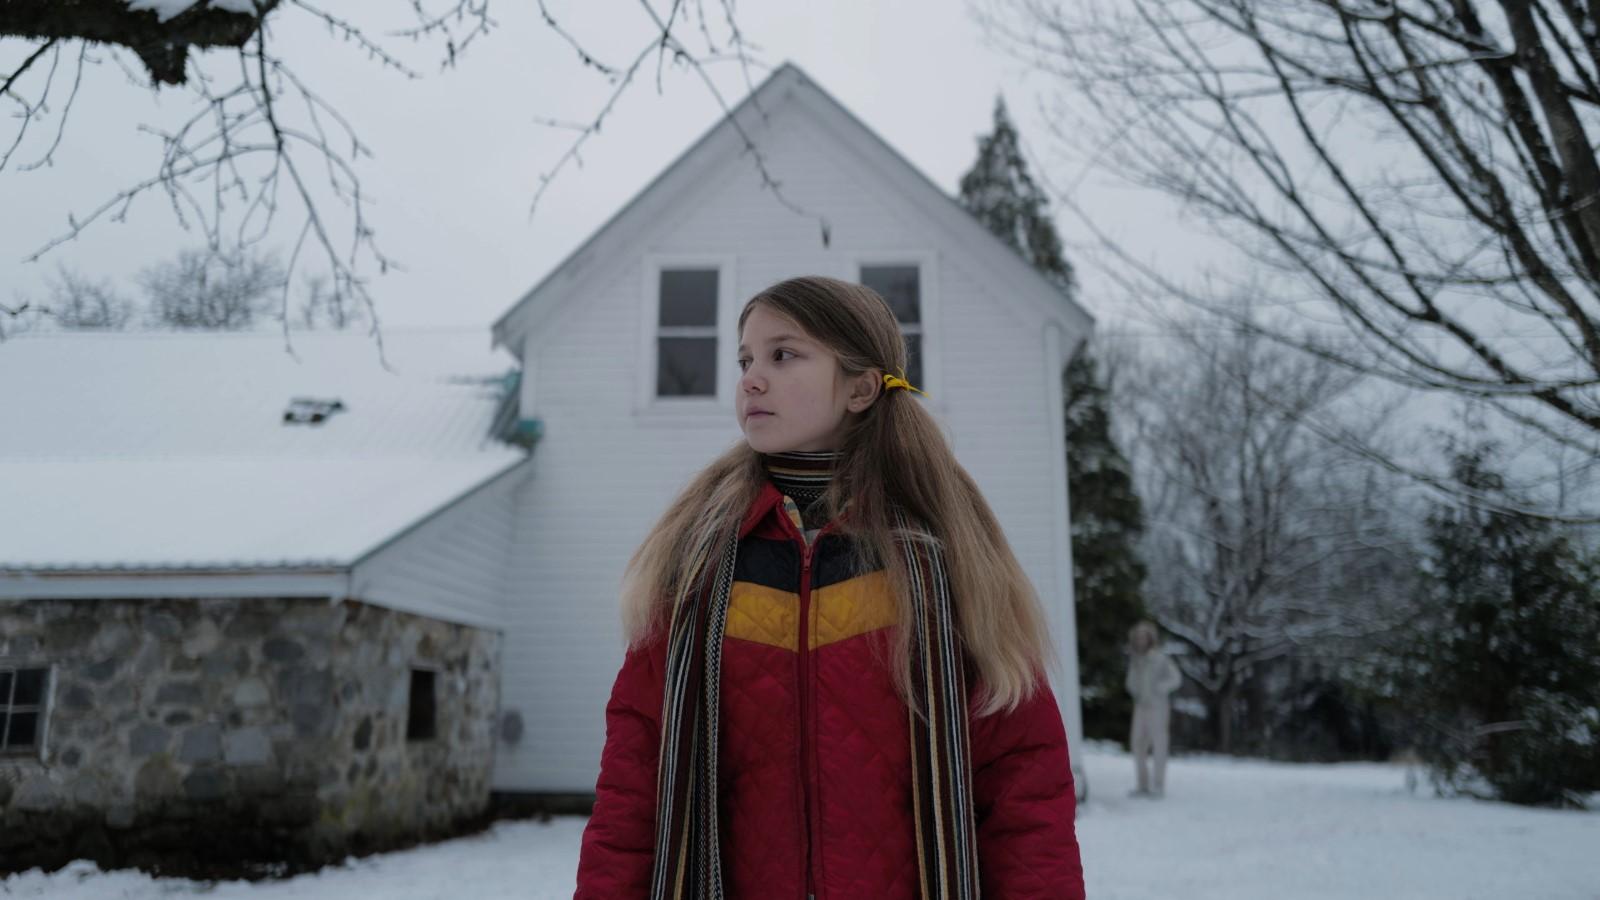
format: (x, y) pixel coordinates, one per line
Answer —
(421, 721)
(22, 693)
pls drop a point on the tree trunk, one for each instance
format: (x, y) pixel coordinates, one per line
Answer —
(1225, 718)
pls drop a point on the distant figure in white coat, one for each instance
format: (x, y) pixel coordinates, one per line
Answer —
(1152, 677)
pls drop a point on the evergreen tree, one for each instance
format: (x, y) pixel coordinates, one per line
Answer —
(999, 191)
(1505, 671)
(1107, 574)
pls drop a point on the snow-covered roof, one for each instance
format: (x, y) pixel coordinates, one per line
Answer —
(163, 451)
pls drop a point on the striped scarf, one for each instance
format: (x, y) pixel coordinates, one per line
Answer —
(688, 860)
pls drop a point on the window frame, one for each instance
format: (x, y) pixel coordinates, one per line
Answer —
(435, 671)
(41, 742)
(647, 404)
(927, 327)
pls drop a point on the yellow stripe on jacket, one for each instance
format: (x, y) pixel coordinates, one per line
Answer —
(842, 611)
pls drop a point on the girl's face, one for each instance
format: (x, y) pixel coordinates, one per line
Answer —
(793, 395)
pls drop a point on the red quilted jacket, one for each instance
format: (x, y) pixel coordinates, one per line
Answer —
(814, 785)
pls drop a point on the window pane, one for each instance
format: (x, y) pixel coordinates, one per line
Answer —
(686, 367)
(30, 687)
(5, 688)
(914, 360)
(23, 727)
(899, 286)
(689, 297)
(420, 717)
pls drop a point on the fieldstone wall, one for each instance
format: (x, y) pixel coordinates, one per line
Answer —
(212, 735)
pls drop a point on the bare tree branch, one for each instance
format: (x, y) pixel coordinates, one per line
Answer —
(1262, 539)
(1425, 170)
(224, 170)
(163, 45)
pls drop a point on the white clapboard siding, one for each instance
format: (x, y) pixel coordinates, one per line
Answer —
(451, 565)
(608, 463)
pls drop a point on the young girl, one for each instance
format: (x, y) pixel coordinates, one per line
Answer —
(834, 686)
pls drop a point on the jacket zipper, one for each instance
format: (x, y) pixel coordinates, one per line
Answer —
(805, 688)
(805, 706)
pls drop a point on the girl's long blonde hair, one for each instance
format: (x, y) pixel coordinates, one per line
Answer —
(892, 450)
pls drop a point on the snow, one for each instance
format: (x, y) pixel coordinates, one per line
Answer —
(141, 450)
(167, 9)
(231, 513)
(1227, 830)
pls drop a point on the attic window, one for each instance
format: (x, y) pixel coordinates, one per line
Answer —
(686, 333)
(310, 411)
(901, 286)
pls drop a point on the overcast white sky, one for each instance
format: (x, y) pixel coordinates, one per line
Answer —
(458, 154)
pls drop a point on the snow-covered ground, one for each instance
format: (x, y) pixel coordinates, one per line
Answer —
(1227, 829)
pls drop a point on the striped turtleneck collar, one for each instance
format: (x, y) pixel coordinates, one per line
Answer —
(802, 475)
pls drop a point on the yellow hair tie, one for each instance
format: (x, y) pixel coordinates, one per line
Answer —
(898, 381)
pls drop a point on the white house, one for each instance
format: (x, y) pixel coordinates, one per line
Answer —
(622, 429)
(368, 596)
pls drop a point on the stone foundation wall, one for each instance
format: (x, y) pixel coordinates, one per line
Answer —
(187, 735)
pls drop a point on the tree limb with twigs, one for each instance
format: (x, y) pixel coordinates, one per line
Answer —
(260, 138)
(1425, 169)
(1261, 540)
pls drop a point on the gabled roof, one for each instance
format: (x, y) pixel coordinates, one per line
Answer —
(721, 145)
(170, 451)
